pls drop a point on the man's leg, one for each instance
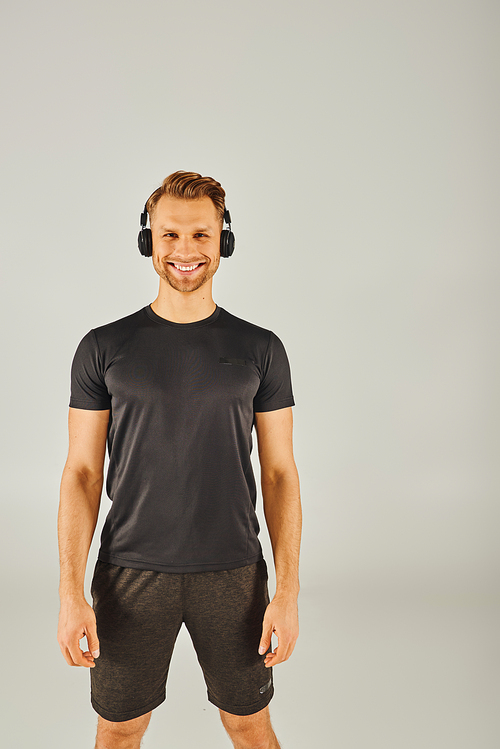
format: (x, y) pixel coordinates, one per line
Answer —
(250, 731)
(124, 735)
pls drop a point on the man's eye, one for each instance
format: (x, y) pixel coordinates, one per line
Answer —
(200, 234)
(170, 234)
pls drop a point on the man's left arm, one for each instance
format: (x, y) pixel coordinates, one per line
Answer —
(282, 510)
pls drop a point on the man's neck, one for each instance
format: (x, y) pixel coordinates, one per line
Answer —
(184, 307)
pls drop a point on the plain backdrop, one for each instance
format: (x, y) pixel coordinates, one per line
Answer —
(357, 142)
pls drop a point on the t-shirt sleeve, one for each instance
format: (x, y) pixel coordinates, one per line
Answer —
(88, 388)
(275, 390)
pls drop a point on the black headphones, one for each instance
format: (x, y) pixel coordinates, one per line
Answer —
(145, 238)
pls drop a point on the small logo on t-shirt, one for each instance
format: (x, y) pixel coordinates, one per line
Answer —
(239, 362)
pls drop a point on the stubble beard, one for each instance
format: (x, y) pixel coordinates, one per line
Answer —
(185, 284)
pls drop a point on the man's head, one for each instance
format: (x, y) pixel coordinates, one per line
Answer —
(186, 215)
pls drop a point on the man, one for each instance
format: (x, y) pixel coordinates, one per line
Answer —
(175, 390)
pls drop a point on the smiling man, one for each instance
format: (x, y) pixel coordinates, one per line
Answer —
(175, 391)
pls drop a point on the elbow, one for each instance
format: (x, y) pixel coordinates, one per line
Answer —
(279, 477)
(84, 477)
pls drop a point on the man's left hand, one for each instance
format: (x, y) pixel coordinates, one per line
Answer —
(282, 619)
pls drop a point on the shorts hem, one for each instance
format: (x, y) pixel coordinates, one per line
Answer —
(244, 709)
(129, 714)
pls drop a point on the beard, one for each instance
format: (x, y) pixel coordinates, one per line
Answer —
(189, 283)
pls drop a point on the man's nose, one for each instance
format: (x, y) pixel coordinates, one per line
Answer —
(184, 245)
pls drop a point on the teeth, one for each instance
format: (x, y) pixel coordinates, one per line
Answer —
(186, 267)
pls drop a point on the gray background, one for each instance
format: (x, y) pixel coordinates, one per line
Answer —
(358, 145)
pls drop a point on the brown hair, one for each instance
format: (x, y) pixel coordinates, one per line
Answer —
(189, 186)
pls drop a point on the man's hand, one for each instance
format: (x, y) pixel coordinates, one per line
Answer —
(282, 618)
(77, 620)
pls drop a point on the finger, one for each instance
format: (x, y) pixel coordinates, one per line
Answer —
(93, 643)
(77, 656)
(67, 656)
(274, 655)
(265, 640)
(92, 639)
(270, 659)
(280, 654)
(70, 656)
(89, 658)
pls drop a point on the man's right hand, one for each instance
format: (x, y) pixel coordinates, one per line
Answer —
(77, 620)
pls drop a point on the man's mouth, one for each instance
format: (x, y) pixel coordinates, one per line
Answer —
(186, 269)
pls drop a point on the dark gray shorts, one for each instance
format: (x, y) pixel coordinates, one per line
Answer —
(139, 614)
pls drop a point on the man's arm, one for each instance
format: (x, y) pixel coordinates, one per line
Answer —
(81, 487)
(282, 510)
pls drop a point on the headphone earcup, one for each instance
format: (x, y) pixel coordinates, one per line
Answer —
(226, 243)
(145, 242)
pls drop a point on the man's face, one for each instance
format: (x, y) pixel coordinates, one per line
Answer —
(186, 233)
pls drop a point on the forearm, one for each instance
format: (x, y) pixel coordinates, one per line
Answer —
(283, 515)
(77, 519)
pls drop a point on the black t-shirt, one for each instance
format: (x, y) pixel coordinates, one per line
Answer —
(182, 398)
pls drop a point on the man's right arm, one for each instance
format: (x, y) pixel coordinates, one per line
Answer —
(81, 488)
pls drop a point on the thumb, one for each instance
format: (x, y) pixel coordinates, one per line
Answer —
(265, 640)
(93, 641)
